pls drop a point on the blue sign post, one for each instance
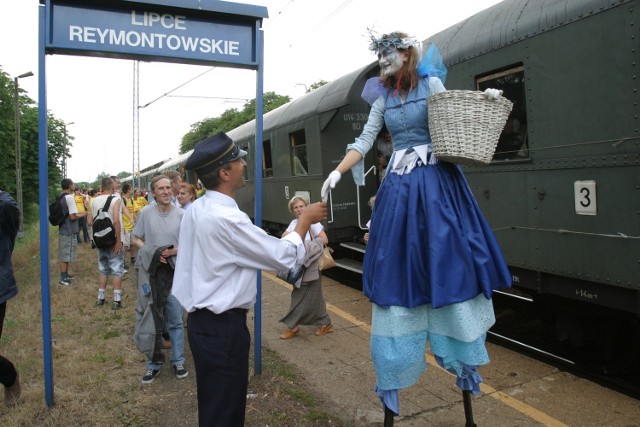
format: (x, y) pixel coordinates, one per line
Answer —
(205, 32)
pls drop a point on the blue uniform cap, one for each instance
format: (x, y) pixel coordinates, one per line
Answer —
(212, 153)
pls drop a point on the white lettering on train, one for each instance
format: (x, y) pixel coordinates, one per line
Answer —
(586, 294)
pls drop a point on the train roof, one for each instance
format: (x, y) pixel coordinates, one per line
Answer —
(509, 22)
(333, 95)
(173, 163)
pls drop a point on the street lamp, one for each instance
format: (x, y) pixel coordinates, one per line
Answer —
(18, 153)
(64, 150)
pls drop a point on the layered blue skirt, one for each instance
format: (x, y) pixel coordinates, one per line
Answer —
(429, 243)
(431, 265)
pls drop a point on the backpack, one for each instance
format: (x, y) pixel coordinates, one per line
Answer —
(57, 210)
(104, 233)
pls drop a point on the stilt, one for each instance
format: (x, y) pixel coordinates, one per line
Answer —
(468, 411)
(388, 417)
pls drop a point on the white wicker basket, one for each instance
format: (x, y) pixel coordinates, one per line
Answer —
(465, 125)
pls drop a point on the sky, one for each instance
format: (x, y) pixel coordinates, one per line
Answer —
(305, 41)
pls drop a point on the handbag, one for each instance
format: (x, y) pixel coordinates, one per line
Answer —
(293, 276)
(326, 259)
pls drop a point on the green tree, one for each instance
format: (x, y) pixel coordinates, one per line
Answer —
(98, 181)
(28, 147)
(230, 119)
(7, 135)
(316, 85)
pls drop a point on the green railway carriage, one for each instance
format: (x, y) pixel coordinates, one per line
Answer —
(563, 190)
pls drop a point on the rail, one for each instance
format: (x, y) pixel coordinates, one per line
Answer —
(330, 203)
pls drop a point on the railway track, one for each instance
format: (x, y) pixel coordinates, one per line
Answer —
(520, 329)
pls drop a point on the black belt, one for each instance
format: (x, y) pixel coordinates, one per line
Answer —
(236, 310)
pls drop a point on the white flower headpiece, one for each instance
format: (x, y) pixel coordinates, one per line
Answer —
(391, 40)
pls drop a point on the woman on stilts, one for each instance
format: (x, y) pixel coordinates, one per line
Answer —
(432, 261)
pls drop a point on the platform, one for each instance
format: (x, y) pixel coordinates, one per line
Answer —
(518, 391)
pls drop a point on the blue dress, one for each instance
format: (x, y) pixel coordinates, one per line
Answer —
(432, 261)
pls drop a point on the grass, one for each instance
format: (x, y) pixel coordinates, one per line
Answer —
(97, 369)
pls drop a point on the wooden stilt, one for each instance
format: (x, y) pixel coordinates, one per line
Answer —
(468, 411)
(388, 417)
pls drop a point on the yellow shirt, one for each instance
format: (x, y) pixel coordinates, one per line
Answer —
(128, 203)
(79, 199)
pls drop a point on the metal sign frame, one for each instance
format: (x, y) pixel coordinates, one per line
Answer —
(204, 32)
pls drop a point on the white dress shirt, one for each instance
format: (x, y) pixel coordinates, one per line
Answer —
(220, 251)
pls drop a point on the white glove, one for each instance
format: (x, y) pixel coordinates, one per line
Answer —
(330, 184)
(492, 94)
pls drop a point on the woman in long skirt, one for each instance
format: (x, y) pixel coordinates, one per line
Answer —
(432, 261)
(307, 302)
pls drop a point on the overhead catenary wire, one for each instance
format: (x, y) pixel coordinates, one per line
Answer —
(177, 87)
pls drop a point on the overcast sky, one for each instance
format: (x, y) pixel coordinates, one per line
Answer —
(305, 41)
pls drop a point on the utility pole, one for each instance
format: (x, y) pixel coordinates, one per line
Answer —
(135, 168)
(18, 150)
(64, 149)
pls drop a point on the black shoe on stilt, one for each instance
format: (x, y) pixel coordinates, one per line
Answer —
(388, 417)
(468, 411)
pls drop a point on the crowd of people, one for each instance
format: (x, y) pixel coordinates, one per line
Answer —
(139, 221)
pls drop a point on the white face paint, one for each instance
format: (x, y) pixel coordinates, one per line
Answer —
(390, 61)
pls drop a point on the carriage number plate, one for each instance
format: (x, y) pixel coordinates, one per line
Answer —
(585, 197)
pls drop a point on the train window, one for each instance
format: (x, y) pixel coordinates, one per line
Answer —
(267, 164)
(512, 144)
(299, 164)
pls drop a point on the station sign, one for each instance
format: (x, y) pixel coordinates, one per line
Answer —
(147, 31)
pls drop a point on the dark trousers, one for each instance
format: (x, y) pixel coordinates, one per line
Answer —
(220, 348)
(8, 373)
(82, 223)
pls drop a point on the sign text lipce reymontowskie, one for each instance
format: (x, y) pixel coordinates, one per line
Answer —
(143, 31)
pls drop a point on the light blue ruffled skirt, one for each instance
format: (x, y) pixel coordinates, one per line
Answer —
(456, 334)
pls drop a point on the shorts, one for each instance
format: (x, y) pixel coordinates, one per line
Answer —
(67, 244)
(110, 264)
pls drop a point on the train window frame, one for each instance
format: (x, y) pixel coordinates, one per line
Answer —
(267, 159)
(247, 159)
(298, 153)
(513, 144)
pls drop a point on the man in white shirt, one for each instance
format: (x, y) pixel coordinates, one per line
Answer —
(110, 259)
(215, 277)
(67, 242)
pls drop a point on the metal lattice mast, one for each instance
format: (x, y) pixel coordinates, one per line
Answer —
(135, 169)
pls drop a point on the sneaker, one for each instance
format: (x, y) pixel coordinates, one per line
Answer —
(66, 281)
(12, 393)
(93, 244)
(150, 375)
(180, 371)
(117, 305)
(99, 302)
